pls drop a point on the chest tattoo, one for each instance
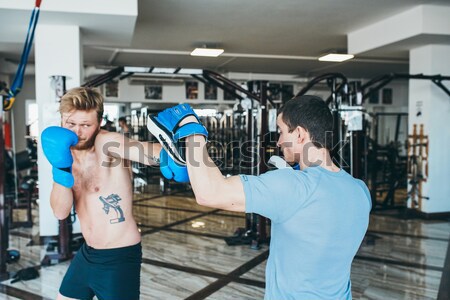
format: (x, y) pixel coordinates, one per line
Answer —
(112, 201)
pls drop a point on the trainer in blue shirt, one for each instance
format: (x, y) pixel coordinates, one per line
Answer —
(319, 214)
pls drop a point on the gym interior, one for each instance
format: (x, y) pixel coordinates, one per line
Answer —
(390, 101)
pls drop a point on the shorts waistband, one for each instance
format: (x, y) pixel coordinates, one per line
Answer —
(112, 251)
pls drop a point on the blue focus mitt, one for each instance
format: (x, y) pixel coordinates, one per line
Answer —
(165, 127)
(171, 170)
(56, 142)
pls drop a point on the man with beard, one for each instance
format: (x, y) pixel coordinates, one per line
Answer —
(89, 173)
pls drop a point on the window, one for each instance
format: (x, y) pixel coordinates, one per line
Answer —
(32, 118)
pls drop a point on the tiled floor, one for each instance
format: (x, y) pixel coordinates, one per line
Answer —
(185, 256)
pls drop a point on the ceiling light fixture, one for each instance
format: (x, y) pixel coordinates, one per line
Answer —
(164, 70)
(210, 52)
(190, 71)
(136, 69)
(335, 57)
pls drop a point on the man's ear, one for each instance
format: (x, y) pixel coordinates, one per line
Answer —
(302, 134)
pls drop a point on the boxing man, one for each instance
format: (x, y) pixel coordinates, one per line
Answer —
(89, 173)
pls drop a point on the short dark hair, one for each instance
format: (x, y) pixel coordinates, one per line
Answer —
(122, 119)
(312, 114)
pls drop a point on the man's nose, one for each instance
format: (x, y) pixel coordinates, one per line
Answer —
(279, 142)
(78, 130)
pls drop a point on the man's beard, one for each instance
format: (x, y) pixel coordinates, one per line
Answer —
(88, 144)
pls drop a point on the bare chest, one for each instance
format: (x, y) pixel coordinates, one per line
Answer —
(88, 174)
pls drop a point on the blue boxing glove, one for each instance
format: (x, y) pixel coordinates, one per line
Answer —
(171, 170)
(56, 143)
(165, 127)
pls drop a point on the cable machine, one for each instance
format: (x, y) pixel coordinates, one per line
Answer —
(255, 232)
(349, 131)
(7, 98)
(415, 169)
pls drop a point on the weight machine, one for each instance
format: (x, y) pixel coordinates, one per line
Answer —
(7, 98)
(415, 168)
(349, 128)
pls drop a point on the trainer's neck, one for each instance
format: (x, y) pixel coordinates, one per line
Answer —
(318, 157)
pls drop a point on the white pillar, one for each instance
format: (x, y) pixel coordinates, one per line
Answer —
(430, 105)
(58, 51)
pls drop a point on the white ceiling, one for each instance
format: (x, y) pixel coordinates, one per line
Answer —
(259, 36)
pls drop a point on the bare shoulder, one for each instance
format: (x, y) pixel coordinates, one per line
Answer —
(105, 136)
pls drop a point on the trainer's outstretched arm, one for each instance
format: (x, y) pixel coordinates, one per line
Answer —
(209, 185)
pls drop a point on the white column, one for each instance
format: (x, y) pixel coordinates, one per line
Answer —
(430, 105)
(58, 51)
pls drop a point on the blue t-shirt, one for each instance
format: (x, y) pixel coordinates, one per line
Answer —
(319, 219)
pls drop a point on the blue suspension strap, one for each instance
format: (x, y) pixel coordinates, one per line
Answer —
(18, 79)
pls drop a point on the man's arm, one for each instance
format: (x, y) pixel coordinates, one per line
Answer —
(56, 142)
(119, 146)
(210, 187)
(61, 201)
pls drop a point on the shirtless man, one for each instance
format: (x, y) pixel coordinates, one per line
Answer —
(89, 173)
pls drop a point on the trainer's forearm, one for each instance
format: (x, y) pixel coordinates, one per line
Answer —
(206, 179)
(61, 201)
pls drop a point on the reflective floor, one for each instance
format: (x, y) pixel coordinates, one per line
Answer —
(185, 256)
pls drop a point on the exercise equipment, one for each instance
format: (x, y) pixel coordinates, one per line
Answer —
(387, 164)
(20, 190)
(13, 256)
(399, 170)
(65, 244)
(25, 274)
(142, 174)
(349, 131)
(417, 151)
(4, 230)
(7, 98)
(17, 84)
(374, 85)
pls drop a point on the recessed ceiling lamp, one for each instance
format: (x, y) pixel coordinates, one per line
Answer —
(335, 57)
(210, 52)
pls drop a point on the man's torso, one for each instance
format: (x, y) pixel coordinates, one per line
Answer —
(318, 221)
(103, 198)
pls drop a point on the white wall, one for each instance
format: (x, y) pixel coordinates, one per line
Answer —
(18, 111)
(174, 93)
(3, 77)
(171, 93)
(434, 105)
(57, 52)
